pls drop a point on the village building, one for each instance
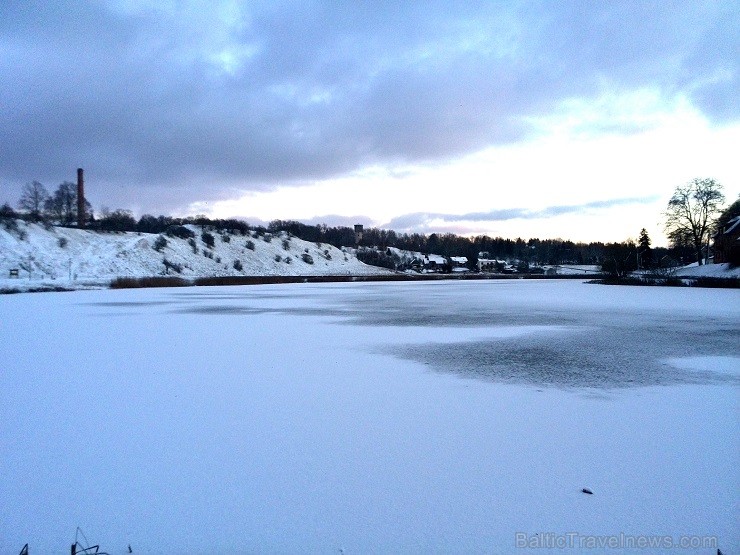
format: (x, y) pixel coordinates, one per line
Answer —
(727, 243)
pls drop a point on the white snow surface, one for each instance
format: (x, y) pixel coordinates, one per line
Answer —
(435, 417)
(723, 270)
(95, 258)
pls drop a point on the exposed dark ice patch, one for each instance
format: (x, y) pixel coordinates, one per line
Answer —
(222, 309)
(603, 348)
(607, 357)
(231, 310)
(593, 349)
(119, 304)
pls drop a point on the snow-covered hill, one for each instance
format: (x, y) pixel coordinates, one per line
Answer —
(709, 270)
(69, 257)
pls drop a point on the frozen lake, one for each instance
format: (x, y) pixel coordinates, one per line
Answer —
(450, 417)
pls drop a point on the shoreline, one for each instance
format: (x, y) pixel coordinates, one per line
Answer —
(125, 282)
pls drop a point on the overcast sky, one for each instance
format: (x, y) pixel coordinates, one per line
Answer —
(550, 118)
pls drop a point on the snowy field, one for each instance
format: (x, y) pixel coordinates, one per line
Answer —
(436, 417)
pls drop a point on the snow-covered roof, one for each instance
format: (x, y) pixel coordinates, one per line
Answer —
(436, 258)
(732, 226)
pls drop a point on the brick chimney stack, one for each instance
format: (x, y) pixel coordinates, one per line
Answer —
(80, 199)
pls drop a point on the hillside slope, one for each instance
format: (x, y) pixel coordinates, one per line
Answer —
(68, 256)
(723, 270)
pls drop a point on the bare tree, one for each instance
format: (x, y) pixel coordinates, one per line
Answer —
(691, 213)
(62, 205)
(33, 198)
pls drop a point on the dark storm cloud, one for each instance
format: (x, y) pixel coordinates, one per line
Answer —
(184, 100)
(418, 221)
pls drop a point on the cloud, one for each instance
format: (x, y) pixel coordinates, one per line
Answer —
(200, 98)
(425, 221)
(336, 220)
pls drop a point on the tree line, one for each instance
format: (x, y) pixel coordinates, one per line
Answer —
(59, 206)
(693, 214)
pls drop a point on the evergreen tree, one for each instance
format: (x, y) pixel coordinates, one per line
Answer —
(645, 252)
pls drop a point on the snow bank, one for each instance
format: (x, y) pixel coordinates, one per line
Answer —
(74, 258)
(709, 270)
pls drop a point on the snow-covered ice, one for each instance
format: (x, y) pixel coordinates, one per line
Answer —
(374, 417)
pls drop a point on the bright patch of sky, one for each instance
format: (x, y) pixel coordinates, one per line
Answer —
(613, 161)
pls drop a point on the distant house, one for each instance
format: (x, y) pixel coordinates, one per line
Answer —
(727, 243)
(491, 265)
(435, 263)
(459, 263)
